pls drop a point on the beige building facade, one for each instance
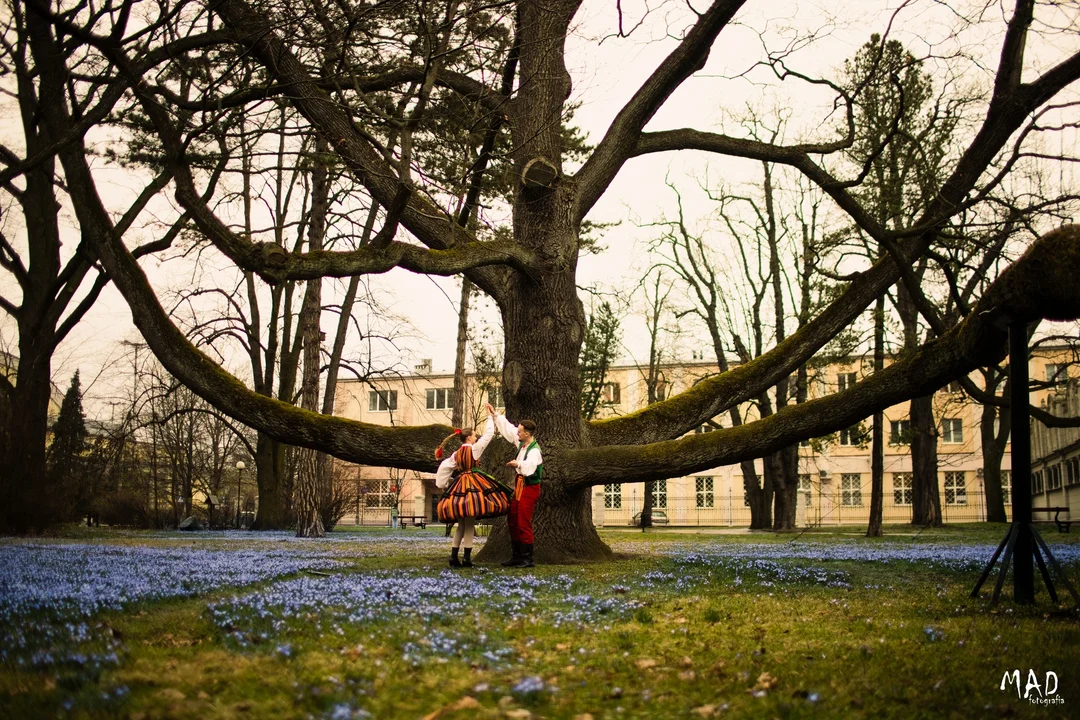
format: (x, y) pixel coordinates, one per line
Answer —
(834, 471)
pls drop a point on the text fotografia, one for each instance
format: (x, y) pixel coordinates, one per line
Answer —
(1033, 692)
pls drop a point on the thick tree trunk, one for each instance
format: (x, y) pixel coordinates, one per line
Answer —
(269, 470)
(758, 496)
(28, 497)
(544, 325)
(785, 500)
(926, 500)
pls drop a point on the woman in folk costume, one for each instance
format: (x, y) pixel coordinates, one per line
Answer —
(461, 462)
(529, 466)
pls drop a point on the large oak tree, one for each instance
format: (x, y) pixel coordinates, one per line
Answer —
(531, 271)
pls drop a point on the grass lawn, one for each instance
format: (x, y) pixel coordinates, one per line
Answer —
(372, 623)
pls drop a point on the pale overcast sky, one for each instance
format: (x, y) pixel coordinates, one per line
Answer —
(605, 74)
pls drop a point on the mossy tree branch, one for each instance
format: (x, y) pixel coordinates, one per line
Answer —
(1040, 285)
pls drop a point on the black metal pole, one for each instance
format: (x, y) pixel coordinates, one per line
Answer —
(239, 479)
(1023, 567)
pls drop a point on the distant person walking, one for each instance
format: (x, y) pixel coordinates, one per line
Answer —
(529, 466)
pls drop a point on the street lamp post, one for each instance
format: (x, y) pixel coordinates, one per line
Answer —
(239, 475)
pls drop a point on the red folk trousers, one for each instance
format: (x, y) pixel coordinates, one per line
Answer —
(521, 513)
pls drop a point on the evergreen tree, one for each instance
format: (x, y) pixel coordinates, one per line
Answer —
(597, 354)
(69, 438)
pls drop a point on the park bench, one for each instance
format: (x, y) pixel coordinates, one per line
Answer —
(419, 521)
(1062, 525)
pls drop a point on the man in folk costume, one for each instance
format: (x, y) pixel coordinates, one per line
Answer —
(458, 463)
(529, 466)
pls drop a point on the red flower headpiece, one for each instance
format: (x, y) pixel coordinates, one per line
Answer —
(457, 431)
(438, 453)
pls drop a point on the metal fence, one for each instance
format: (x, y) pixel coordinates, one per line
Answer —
(816, 508)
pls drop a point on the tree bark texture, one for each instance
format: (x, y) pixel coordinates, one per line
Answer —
(269, 471)
(926, 500)
(877, 444)
(312, 493)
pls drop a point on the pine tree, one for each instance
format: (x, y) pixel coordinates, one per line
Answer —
(69, 437)
(597, 354)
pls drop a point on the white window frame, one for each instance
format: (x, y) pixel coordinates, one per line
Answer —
(440, 398)
(382, 400)
(900, 432)
(851, 489)
(903, 489)
(377, 494)
(956, 488)
(846, 380)
(703, 492)
(1006, 486)
(952, 431)
(613, 496)
(660, 494)
(1057, 373)
(850, 436)
(611, 393)
(1054, 477)
(495, 396)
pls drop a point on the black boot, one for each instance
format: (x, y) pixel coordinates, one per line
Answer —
(467, 560)
(515, 558)
(526, 555)
(454, 562)
(526, 560)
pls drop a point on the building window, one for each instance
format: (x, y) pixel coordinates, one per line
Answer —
(1006, 486)
(955, 488)
(851, 490)
(1053, 476)
(1074, 476)
(1037, 482)
(659, 496)
(613, 497)
(1057, 373)
(612, 394)
(902, 488)
(382, 400)
(851, 436)
(378, 494)
(845, 381)
(703, 489)
(440, 398)
(899, 432)
(952, 431)
(661, 390)
(806, 489)
(954, 387)
(703, 428)
(495, 397)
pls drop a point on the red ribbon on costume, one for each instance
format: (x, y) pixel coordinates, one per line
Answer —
(438, 453)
